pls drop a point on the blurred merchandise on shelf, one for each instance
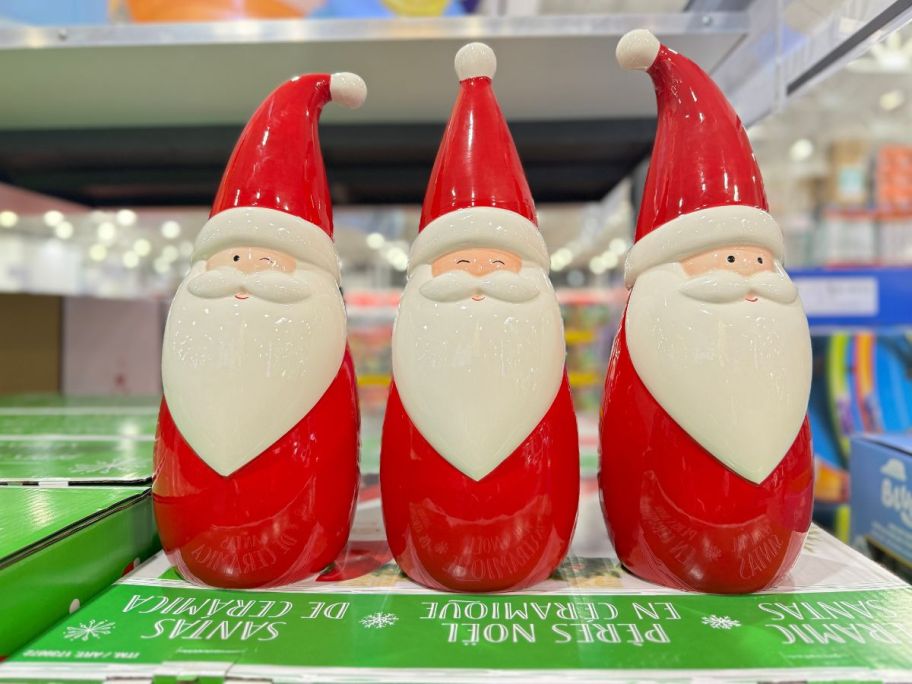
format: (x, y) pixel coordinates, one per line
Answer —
(382, 9)
(846, 237)
(142, 11)
(861, 325)
(590, 322)
(893, 177)
(848, 184)
(370, 330)
(896, 238)
(55, 12)
(881, 474)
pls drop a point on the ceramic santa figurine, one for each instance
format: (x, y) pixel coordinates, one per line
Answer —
(706, 464)
(256, 456)
(479, 465)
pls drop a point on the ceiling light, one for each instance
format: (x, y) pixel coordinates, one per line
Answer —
(8, 218)
(597, 265)
(64, 230)
(52, 218)
(801, 150)
(125, 217)
(564, 254)
(618, 245)
(142, 247)
(892, 99)
(170, 253)
(162, 266)
(375, 240)
(98, 252)
(170, 229)
(107, 232)
(130, 259)
(610, 259)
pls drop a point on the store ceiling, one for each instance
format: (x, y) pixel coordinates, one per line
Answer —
(566, 161)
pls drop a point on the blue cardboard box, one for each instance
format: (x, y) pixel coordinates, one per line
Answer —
(881, 498)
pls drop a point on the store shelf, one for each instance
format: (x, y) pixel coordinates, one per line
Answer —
(210, 74)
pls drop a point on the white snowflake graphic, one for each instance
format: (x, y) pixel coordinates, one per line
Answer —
(95, 629)
(720, 622)
(379, 620)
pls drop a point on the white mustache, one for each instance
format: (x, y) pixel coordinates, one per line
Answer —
(454, 286)
(281, 288)
(725, 286)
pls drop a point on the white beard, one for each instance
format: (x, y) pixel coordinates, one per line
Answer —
(476, 378)
(735, 376)
(238, 375)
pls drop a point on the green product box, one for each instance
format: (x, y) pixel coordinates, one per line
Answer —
(836, 617)
(61, 546)
(53, 440)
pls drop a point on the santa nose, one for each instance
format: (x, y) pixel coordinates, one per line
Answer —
(747, 267)
(476, 267)
(747, 261)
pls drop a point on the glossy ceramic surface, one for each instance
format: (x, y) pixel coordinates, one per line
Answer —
(479, 462)
(256, 455)
(469, 174)
(676, 515)
(504, 532)
(701, 156)
(706, 471)
(282, 517)
(477, 375)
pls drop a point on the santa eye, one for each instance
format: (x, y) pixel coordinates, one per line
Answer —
(266, 259)
(759, 260)
(237, 257)
(731, 259)
(497, 261)
(462, 261)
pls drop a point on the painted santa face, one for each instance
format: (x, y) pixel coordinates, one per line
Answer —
(478, 354)
(253, 340)
(722, 343)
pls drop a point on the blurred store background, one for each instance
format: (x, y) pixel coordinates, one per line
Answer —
(118, 117)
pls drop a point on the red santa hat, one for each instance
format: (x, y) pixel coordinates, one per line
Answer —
(703, 189)
(477, 195)
(274, 192)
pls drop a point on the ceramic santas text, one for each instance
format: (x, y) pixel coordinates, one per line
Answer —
(706, 465)
(480, 461)
(256, 456)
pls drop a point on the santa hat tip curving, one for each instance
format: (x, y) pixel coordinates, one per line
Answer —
(637, 49)
(347, 89)
(475, 60)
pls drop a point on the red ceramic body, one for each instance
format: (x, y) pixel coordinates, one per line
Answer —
(280, 518)
(504, 532)
(676, 515)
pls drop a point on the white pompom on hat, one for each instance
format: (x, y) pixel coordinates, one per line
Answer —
(637, 50)
(347, 89)
(475, 60)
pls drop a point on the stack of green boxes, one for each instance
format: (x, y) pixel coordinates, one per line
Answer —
(75, 509)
